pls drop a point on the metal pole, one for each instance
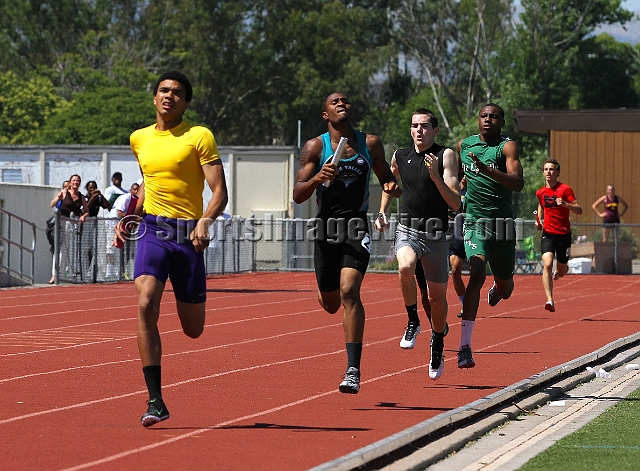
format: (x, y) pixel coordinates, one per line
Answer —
(56, 248)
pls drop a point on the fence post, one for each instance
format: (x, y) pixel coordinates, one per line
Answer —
(289, 237)
(56, 247)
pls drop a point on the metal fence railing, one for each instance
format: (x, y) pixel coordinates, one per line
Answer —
(17, 249)
(83, 251)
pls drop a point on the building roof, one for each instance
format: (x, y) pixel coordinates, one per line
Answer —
(543, 121)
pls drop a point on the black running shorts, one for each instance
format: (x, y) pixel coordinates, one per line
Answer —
(558, 244)
(352, 250)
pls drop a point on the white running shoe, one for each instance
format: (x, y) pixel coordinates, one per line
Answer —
(351, 382)
(408, 340)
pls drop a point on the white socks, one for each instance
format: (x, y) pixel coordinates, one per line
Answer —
(467, 332)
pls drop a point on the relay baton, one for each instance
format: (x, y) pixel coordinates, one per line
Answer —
(130, 210)
(338, 154)
(535, 213)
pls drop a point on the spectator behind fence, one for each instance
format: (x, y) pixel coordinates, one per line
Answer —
(89, 230)
(71, 200)
(65, 185)
(118, 211)
(115, 190)
(50, 231)
(611, 214)
(71, 203)
(122, 203)
(95, 201)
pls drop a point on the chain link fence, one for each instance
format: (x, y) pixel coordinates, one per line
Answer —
(84, 251)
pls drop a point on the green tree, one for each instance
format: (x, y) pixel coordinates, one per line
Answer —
(547, 52)
(38, 33)
(606, 75)
(459, 46)
(266, 64)
(26, 104)
(103, 117)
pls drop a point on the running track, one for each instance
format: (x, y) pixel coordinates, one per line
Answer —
(258, 390)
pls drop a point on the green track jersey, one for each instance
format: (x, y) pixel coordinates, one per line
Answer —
(485, 197)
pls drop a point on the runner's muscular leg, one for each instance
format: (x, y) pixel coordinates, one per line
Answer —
(330, 300)
(406, 272)
(504, 287)
(438, 301)
(149, 295)
(192, 318)
(353, 317)
(477, 277)
(561, 269)
(547, 274)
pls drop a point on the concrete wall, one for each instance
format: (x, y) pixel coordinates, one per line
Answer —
(31, 202)
(259, 179)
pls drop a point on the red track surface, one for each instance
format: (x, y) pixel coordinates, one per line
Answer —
(259, 389)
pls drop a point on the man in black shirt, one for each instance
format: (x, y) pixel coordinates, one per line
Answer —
(429, 174)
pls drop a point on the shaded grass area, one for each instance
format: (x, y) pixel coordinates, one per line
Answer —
(611, 442)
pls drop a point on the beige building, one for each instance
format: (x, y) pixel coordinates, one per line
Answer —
(595, 148)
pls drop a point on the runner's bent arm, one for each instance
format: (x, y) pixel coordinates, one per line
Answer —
(447, 184)
(214, 174)
(513, 178)
(535, 223)
(573, 206)
(381, 167)
(307, 179)
(385, 200)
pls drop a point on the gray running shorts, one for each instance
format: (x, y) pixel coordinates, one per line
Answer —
(433, 252)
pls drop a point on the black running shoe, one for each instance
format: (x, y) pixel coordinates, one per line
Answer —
(157, 412)
(465, 359)
(493, 298)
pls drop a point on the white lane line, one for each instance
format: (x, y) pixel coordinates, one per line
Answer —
(212, 376)
(188, 352)
(112, 321)
(123, 454)
(497, 458)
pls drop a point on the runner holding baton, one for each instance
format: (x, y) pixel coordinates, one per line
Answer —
(338, 154)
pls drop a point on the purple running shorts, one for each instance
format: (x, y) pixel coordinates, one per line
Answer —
(164, 250)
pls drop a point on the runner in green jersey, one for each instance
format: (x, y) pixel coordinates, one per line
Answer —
(491, 164)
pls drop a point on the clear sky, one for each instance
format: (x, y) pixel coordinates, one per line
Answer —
(633, 5)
